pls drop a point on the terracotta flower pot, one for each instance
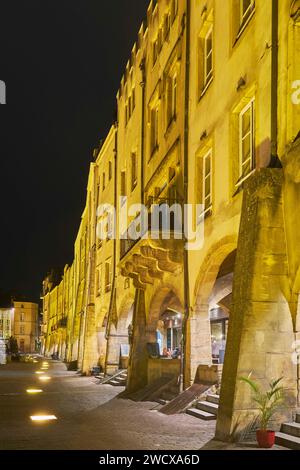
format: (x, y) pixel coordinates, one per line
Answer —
(265, 439)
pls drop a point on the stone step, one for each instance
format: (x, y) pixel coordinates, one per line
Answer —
(298, 418)
(116, 382)
(285, 440)
(293, 429)
(213, 398)
(208, 407)
(201, 414)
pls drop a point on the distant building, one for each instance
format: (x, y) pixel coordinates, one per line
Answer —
(6, 322)
(25, 325)
(21, 320)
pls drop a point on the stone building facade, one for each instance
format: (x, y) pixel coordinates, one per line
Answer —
(203, 118)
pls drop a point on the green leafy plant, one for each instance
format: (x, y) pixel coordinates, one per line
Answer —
(268, 401)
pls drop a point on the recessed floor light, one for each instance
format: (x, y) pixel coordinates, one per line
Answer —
(42, 418)
(44, 377)
(39, 372)
(34, 390)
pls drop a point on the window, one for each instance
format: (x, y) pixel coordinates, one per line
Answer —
(171, 98)
(108, 275)
(246, 9)
(174, 10)
(246, 141)
(133, 171)
(167, 25)
(129, 107)
(22, 329)
(207, 183)
(206, 54)
(133, 99)
(22, 345)
(208, 57)
(99, 280)
(155, 50)
(109, 226)
(103, 181)
(22, 316)
(160, 39)
(110, 171)
(123, 183)
(154, 114)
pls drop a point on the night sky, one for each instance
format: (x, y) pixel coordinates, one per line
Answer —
(62, 61)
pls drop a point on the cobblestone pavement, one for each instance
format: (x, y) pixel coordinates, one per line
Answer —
(90, 416)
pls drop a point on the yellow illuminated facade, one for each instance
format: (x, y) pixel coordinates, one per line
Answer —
(203, 118)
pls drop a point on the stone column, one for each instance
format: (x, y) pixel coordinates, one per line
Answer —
(198, 349)
(138, 361)
(260, 332)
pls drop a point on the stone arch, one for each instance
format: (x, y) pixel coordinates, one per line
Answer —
(118, 344)
(210, 267)
(164, 326)
(166, 296)
(199, 331)
(125, 313)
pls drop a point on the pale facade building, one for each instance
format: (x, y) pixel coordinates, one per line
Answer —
(25, 326)
(208, 114)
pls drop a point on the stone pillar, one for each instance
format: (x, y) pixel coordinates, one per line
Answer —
(260, 332)
(198, 342)
(138, 361)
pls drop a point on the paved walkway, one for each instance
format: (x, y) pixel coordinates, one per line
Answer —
(89, 416)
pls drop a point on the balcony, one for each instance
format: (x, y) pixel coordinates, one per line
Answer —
(157, 251)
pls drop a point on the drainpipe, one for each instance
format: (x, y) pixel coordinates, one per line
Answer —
(275, 162)
(113, 287)
(186, 194)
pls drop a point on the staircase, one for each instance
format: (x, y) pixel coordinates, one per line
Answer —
(206, 409)
(289, 435)
(118, 380)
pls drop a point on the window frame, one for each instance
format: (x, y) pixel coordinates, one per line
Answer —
(154, 128)
(208, 77)
(250, 105)
(244, 16)
(134, 171)
(108, 274)
(207, 210)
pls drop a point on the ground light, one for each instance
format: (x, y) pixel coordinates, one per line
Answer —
(32, 391)
(39, 372)
(43, 418)
(45, 377)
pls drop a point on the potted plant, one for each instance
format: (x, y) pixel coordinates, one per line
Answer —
(268, 402)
